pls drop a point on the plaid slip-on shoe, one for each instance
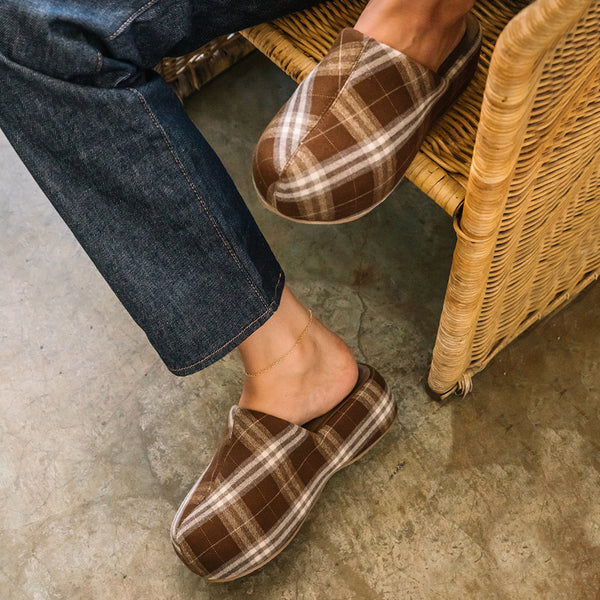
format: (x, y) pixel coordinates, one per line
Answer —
(266, 476)
(342, 142)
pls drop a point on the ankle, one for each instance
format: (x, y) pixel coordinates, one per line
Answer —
(315, 377)
(282, 357)
(425, 31)
(298, 368)
(277, 337)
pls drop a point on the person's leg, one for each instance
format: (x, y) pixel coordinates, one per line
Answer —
(427, 30)
(318, 372)
(113, 149)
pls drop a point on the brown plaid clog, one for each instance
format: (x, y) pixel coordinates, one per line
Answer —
(344, 139)
(266, 476)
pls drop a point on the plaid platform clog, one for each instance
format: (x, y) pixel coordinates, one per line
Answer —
(344, 139)
(266, 476)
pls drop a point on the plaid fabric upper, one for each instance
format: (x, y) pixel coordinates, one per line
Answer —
(266, 476)
(342, 142)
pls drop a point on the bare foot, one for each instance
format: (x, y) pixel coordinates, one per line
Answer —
(314, 377)
(425, 30)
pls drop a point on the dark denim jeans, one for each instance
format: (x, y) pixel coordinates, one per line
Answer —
(112, 148)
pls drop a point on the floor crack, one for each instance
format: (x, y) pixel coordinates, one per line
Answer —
(361, 322)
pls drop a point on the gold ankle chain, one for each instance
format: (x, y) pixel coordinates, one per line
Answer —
(274, 364)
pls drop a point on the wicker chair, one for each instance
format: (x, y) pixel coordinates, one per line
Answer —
(515, 163)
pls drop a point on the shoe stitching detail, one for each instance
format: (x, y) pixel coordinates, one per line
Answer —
(325, 110)
(318, 440)
(429, 99)
(319, 488)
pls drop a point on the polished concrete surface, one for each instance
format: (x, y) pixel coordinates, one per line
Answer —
(492, 496)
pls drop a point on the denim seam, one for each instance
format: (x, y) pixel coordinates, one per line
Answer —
(136, 14)
(208, 356)
(99, 63)
(178, 162)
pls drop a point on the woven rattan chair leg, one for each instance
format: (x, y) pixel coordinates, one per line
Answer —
(528, 234)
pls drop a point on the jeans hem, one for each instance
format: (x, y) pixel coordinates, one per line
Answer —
(236, 340)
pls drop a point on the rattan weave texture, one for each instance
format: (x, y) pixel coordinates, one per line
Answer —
(528, 236)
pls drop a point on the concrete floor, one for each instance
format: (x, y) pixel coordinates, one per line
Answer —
(491, 496)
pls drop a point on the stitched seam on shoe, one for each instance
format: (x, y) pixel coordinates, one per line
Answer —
(235, 337)
(321, 440)
(287, 482)
(290, 439)
(367, 108)
(325, 110)
(134, 16)
(243, 432)
(317, 474)
(179, 164)
(316, 447)
(338, 416)
(432, 98)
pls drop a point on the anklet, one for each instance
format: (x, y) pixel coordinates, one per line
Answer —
(274, 364)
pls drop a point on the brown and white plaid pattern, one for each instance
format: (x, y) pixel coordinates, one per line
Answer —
(342, 142)
(266, 476)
